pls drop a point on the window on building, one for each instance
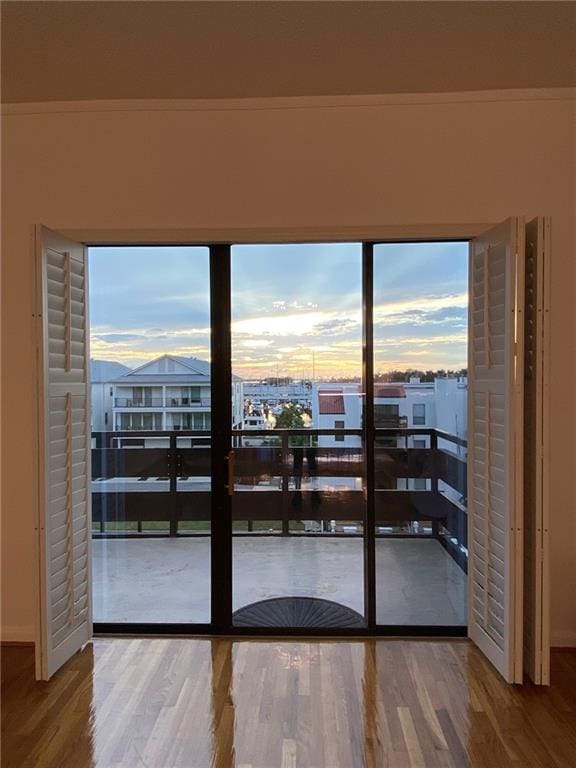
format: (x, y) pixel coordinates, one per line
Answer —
(386, 416)
(418, 414)
(339, 425)
(419, 443)
(420, 484)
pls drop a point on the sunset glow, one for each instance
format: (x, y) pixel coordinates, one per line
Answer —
(296, 309)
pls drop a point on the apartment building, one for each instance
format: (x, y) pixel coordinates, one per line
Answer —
(440, 404)
(165, 394)
(102, 373)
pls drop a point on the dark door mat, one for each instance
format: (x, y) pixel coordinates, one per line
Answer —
(296, 613)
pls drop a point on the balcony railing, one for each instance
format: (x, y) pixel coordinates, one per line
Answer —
(187, 402)
(158, 402)
(129, 402)
(283, 477)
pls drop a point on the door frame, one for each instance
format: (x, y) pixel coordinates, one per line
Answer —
(219, 244)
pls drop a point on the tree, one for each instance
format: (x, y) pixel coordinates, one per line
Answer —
(290, 418)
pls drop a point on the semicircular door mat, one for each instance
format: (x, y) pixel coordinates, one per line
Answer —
(298, 612)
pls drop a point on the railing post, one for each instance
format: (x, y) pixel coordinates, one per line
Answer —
(173, 498)
(285, 485)
(434, 479)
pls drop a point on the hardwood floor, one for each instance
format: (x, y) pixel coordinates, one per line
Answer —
(187, 703)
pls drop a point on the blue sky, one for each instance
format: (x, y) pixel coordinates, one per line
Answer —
(293, 306)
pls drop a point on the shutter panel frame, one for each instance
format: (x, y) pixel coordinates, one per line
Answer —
(62, 461)
(537, 440)
(495, 445)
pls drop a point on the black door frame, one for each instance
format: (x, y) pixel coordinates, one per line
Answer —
(221, 537)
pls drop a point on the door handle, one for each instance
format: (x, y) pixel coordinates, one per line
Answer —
(231, 459)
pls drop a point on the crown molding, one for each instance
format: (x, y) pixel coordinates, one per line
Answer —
(290, 103)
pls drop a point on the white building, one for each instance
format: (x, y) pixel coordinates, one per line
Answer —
(165, 394)
(102, 372)
(439, 404)
(337, 406)
(451, 403)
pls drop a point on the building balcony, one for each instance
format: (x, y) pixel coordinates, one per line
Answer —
(267, 476)
(295, 507)
(159, 402)
(187, 402)
(128, 402)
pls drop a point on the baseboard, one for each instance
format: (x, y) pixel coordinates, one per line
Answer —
(21, 635)
(563, 640)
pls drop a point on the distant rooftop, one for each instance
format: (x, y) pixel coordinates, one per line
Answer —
(331, 401)
(165, 368)
(106, 370)
(389, 390)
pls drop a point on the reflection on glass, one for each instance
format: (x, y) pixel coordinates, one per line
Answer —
(150, 372)
(420, 357)
(298, 506)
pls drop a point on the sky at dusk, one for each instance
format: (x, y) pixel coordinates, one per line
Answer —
(296, 309)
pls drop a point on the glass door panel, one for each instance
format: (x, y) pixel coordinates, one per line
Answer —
(420, 384)
(151, 490)
(298, 506)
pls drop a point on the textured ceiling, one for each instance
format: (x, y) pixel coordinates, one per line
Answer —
(117, 50)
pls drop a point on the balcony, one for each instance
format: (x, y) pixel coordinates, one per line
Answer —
(148, 402)
(187, 402)
(158, 402)
(294, 501)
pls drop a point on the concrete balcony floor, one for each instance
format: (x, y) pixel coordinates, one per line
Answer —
(168, 579)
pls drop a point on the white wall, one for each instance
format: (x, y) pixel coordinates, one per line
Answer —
(101, 403)
(451, 403)
(400, 163)
(352, 417)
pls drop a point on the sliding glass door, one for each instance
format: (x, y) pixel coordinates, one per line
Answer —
(151, 435)
(420, 334)
(298, 503)
(279, 437)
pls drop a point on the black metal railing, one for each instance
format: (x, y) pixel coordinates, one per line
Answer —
(137, 402)
(187, 402)
(159, 402)
(159, 482)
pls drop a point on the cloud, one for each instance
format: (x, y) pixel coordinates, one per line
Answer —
(295, 324)
(419, 305)
(338, 326)
(256, 343)
(119, 338)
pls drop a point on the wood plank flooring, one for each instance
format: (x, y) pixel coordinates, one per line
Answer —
(218, 703)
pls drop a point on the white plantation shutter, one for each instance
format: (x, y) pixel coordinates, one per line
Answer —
(536, 447)
(495, 469)
(64, 518)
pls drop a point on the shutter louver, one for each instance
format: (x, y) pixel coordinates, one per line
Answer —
(64, 454)
(495, 445)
